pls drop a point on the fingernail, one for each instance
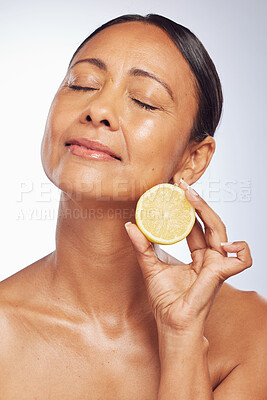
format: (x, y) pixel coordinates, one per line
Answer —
(183, 183)
(226, 243)
(185, 186)
(192, 192)
(127, 225)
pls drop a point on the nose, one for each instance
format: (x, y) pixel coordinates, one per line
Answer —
(101, 110)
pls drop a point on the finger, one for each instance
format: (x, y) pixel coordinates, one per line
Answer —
(197, 245)
(215, 230)
(206, 286)
(242, 261)
(144, 250)
(196, 238)
(204, 290)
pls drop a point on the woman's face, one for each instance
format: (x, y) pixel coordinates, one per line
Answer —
(139, 100)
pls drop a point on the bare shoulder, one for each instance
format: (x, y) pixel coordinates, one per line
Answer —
(246, 311)
(21, 285)
(236, 329)
(18, 294)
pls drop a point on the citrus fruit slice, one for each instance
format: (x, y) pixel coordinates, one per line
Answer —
(164, 215)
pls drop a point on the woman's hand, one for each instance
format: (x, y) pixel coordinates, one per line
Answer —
(181, 296)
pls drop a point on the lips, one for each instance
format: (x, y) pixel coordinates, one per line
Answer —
(92, 145)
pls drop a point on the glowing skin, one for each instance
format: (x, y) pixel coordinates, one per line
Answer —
(77, 323)
(150, 142)
(152, 145)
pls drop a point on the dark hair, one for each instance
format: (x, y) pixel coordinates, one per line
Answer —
(208, 86)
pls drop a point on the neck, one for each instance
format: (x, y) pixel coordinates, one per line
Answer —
(94, 262)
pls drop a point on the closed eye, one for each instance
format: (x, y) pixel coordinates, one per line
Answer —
(85, 89)
(144, 105)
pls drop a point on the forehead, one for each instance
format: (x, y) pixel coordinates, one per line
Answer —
(137, 44)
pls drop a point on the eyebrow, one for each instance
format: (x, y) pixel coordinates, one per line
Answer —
(133, 72)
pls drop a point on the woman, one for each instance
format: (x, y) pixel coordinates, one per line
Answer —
(108, 315)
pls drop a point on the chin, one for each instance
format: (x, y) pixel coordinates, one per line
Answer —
(94, 183)
(92, 187)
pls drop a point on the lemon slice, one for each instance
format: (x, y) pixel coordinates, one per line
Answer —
(164, 215)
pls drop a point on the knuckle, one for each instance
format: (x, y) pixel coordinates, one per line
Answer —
(145, 251)
(245, 244)
(250, 262)
(217, 225)
(221, 223)
(224, 227)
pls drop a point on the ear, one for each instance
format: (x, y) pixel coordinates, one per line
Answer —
(196, 160)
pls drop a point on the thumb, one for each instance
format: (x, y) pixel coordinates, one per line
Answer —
(144, 249)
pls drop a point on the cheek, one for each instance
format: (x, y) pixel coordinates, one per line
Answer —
(144, 134)
(156, 146)
(60, 118)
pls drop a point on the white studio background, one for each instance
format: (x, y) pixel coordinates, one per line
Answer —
(38, 39)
